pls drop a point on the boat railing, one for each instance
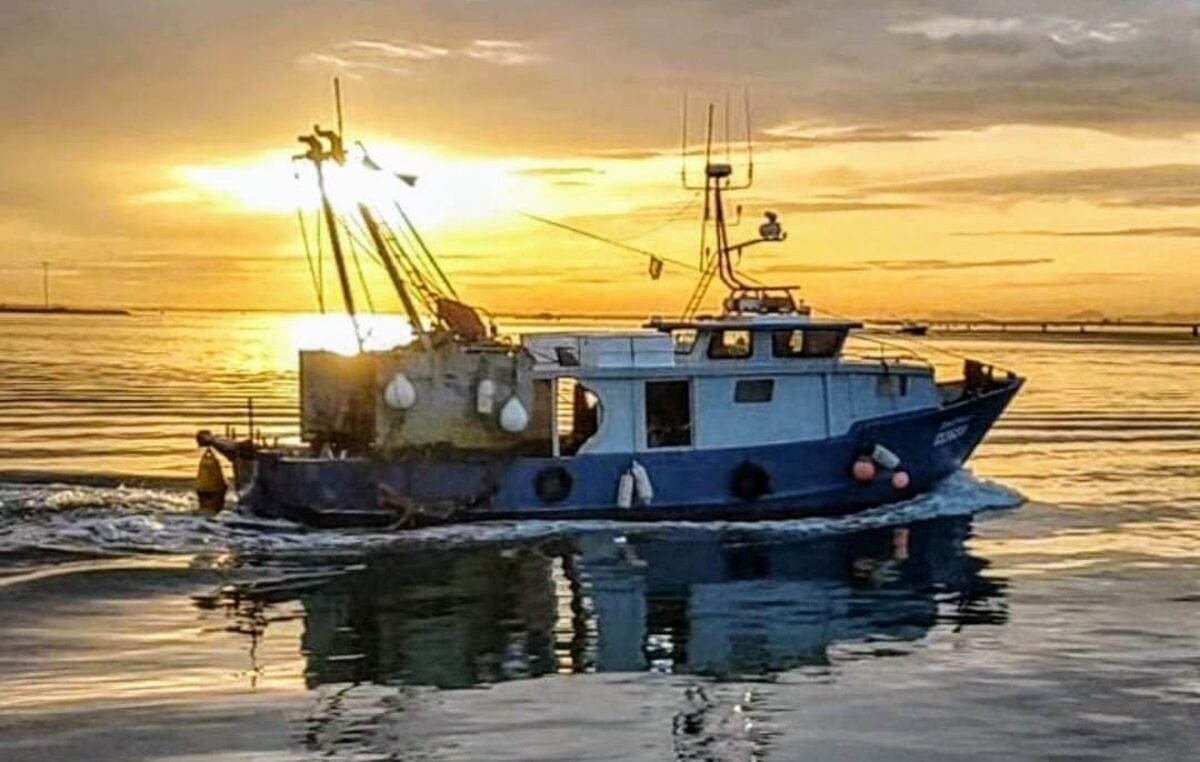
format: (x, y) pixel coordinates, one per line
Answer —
(870, 349)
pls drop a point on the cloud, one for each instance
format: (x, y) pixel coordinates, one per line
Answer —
(1179, 231)
(1163, 185)
(500, 52)
(1076, 31)
(407, 51)
(397, 57)
(822, 207)
(557, 171)
(948, 264)
(946, 27)
(1077, 280)
(1064, 31)
(809, 269)
(797, 136)
(631, 154)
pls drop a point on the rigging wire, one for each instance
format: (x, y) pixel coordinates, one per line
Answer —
(320, 260)
(308, 257)
(675, 217)
(609, 241)
(428, 295)
(429, 254)
(313, 271)
(402, 258)
(423, 274)
(707, 270)
(362, 279)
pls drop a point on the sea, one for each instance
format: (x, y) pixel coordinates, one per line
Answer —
(1042, 605)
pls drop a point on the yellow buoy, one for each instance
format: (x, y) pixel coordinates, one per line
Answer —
(210, 483)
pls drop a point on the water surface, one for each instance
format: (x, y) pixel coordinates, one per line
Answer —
(958, 625)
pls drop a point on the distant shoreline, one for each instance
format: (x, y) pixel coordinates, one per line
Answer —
(18, 309)
(1095, 336)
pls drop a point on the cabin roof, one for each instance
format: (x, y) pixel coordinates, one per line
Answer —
(754, 323)
(592, 349)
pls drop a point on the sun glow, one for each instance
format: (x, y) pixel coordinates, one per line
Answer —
(447, 190)
(336, 333)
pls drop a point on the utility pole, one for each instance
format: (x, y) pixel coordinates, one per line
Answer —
(46, 284)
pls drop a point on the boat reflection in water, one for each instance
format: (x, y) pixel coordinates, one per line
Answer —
(696, 601)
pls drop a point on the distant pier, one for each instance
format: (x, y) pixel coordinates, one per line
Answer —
(1098, 328)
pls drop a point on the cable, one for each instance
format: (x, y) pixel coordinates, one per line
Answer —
(609, 241)
(429, 254)
(312, 270)
(675, 217)
(362, 279)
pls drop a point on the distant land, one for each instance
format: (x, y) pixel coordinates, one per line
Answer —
(32, 309)
(1088, 324)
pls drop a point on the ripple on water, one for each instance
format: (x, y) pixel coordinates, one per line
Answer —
(99, 520)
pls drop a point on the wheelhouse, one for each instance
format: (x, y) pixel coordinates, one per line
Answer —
(712, 384)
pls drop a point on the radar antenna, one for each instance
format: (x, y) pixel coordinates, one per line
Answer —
(745, 296)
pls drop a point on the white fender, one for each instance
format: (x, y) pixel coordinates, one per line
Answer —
(885, 457)
(485, 397)
(400, 394)
(513, 416)
(625, 491)
(641, 483)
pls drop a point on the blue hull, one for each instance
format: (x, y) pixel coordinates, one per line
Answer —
(802, 478)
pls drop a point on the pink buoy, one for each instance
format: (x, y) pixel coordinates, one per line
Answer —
(864, 470)
(901, 480)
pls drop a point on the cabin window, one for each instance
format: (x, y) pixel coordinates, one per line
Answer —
(754, 390)
(577, 415)
(668, 414)
(892, 386)
(685, 340)
(807, 342)
(730, 345)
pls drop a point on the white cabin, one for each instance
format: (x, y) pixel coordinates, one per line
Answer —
(714, 384)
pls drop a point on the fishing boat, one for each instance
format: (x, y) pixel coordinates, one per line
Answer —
(759, 411)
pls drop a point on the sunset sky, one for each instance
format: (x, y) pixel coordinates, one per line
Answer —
(981, 156)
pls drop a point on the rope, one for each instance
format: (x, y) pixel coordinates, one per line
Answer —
(609, 241)
(423, 276)
(675, 217)
(320, 262)
(362, 278)
(414, 278)
(429, 254)
(312, 270)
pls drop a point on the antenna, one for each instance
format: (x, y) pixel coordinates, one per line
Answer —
(337, 98)
(728, 154)
(746, 294)
(683, 146)
(708, 142)
(749, 139)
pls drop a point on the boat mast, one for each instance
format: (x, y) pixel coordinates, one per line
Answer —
(318, 155)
